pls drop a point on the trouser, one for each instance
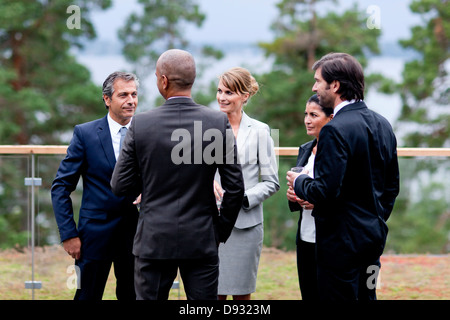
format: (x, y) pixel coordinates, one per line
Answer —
(307, 270)
(154, 277)
(94, 274)
(351, 283)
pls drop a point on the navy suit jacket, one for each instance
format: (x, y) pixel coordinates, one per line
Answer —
(356, 181)
(102, 216)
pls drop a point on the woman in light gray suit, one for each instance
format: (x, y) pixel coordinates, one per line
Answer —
(239, 256)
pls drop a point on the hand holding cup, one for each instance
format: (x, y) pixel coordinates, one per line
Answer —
(293, 174)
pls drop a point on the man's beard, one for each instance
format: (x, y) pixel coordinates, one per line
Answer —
(326, 101)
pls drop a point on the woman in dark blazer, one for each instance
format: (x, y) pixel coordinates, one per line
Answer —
(316, 117)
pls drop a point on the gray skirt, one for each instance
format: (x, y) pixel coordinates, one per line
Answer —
(239, 260)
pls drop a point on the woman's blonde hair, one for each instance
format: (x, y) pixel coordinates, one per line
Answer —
(240, 80)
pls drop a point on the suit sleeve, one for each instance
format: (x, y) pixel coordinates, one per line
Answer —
(232, 183)
(328, 175)
(268, 168)
(392, 185)
(64, 184)
(125, 179)
(295, 206)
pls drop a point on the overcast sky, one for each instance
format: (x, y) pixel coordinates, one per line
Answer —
(250, 20)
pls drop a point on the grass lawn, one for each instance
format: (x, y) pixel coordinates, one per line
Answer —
(402, 277)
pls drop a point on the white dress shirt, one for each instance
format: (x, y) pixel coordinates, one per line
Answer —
(308, 228)
(342, 104)
(114, 129)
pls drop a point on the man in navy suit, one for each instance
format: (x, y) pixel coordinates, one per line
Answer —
(356, 181)
(107, 223)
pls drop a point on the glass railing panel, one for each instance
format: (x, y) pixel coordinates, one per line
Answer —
(419, 223)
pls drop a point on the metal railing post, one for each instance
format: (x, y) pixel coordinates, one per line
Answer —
(32, 182)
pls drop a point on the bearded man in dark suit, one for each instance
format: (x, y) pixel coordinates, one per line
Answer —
(356, 181)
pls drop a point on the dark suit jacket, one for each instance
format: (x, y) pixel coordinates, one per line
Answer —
(304, 152)
(102, 214)
(356, 181)
(179, 217)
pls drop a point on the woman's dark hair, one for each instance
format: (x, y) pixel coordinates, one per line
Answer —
(328, 111)
(347, 70)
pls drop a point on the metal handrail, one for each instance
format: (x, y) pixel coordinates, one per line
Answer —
(401, 152)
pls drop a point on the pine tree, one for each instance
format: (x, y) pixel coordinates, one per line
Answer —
(44, 92)
(425, 90)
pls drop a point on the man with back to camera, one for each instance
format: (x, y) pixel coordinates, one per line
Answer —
(179, 224)
(107, 223)
(356, 181)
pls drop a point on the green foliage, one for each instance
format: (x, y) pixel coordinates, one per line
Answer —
(8, 238)
(305, 32)
(425, 89)
(13, 202)
(49, 90)
(205, 94)
(304, 36)
(420, 221)
(160, 26)
(281, 104)
(44, 93)
(280, 224)
(157, 28)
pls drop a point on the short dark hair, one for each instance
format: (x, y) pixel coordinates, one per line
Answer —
(108, 84)
(178, 66)
(315, 99)
(347, 70)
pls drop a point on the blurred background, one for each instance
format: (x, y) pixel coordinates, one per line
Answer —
(55, 55)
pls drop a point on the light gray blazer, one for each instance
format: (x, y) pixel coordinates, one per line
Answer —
(259, 167)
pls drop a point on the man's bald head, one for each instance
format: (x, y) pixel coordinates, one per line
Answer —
(178, 66)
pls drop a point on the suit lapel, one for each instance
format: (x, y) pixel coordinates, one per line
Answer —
(302, 159)
(106, 142)
(244, 130)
